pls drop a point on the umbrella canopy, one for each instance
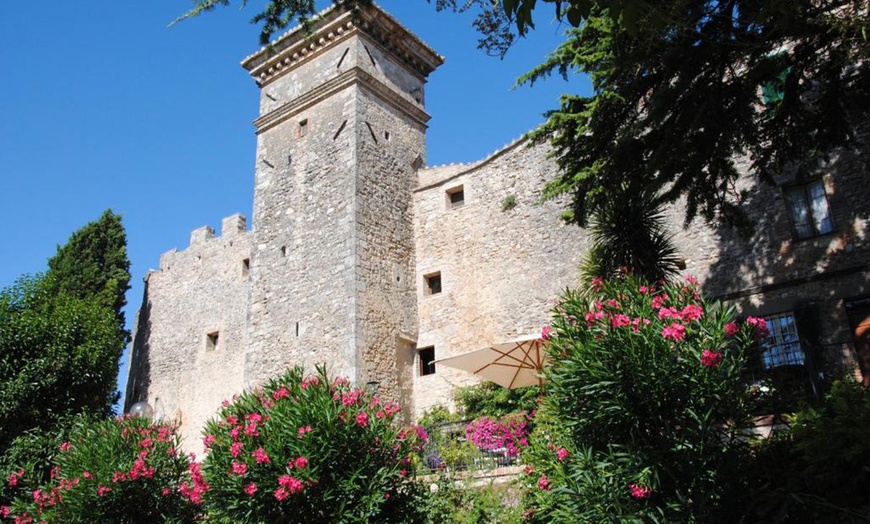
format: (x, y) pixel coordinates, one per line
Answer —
(512, 364)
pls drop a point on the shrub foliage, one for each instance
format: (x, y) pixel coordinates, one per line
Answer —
(310, 449)
(120, 471)
(645, 396)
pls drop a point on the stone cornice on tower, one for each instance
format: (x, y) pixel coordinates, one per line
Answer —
(350, 77)
(332, 26)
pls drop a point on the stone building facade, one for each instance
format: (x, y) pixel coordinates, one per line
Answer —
(363, 259)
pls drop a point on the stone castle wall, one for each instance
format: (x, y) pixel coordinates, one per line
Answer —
(200, 291)
(501, 268)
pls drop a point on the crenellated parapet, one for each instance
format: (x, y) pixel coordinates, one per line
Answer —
(203, 241)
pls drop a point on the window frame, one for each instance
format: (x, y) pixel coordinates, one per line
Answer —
(807, 200)
(426, 366)
(778, 349)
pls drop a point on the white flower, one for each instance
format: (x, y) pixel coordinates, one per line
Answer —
(433, 488)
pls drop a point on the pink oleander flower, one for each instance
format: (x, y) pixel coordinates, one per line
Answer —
(239, 468)
(731, 329)
(14, 477)
(102, 490)
(668, 312)
(638, 491)
(208, 441)
(562, 454)
(597, 283)
(87, 475)
(303, 430)
(675, 332)
(301, 462)
(643, 290)
(236, 449)
(692, 312)
(692, 280)
(5, 511)
(620, 320)
(545, 332)
(659, 300)
(711, 359)
(280, 393)
(251, 430)
(760, 325)
(544, 483)
(281, 494)
(66, 446)
(362, 419)
(293, 484)
(261, 456)
(528, 469)
(166, 492)
(250, 489)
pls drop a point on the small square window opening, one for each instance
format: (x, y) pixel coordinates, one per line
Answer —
(456, 196)
(212, 341)
(808, 209)
(427, 361)
(433, 283)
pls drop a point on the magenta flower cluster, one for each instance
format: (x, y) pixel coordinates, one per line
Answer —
(509, 435)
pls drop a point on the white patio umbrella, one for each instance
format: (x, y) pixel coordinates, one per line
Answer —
(513, 364)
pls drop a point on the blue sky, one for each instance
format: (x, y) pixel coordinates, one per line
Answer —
(103, 106)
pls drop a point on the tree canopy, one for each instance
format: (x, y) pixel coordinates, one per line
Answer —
(93, 264)
(684, 94)
(62, 336)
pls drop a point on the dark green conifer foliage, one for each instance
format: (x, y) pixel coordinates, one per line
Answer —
(93, 265)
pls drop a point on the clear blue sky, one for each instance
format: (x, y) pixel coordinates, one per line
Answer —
(103, 106)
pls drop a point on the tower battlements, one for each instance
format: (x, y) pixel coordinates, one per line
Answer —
(203, 240)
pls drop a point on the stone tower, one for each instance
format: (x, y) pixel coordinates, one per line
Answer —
(340, 136)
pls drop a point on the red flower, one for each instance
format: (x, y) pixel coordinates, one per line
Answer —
(544, 483)
(239, 468)
(250, 489)
(66, 446)
(281, 494)
(675, 331)
(731, 329)
(711, 359)
(362, 419)
(692, 312)
(562, 454)
(102, 490)
(638, 491)
(301, 462)
(261, 456)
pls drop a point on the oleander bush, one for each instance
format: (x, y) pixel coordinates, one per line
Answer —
(119, 471)
(310, 449)
(644, 407)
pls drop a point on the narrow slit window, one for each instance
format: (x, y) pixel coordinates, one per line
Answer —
(212, 341)
(456, 196)
(433, 283)
(246, 267)
(303, 127)
(427, 361)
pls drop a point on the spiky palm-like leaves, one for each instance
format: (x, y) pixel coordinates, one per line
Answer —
(627, 232)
